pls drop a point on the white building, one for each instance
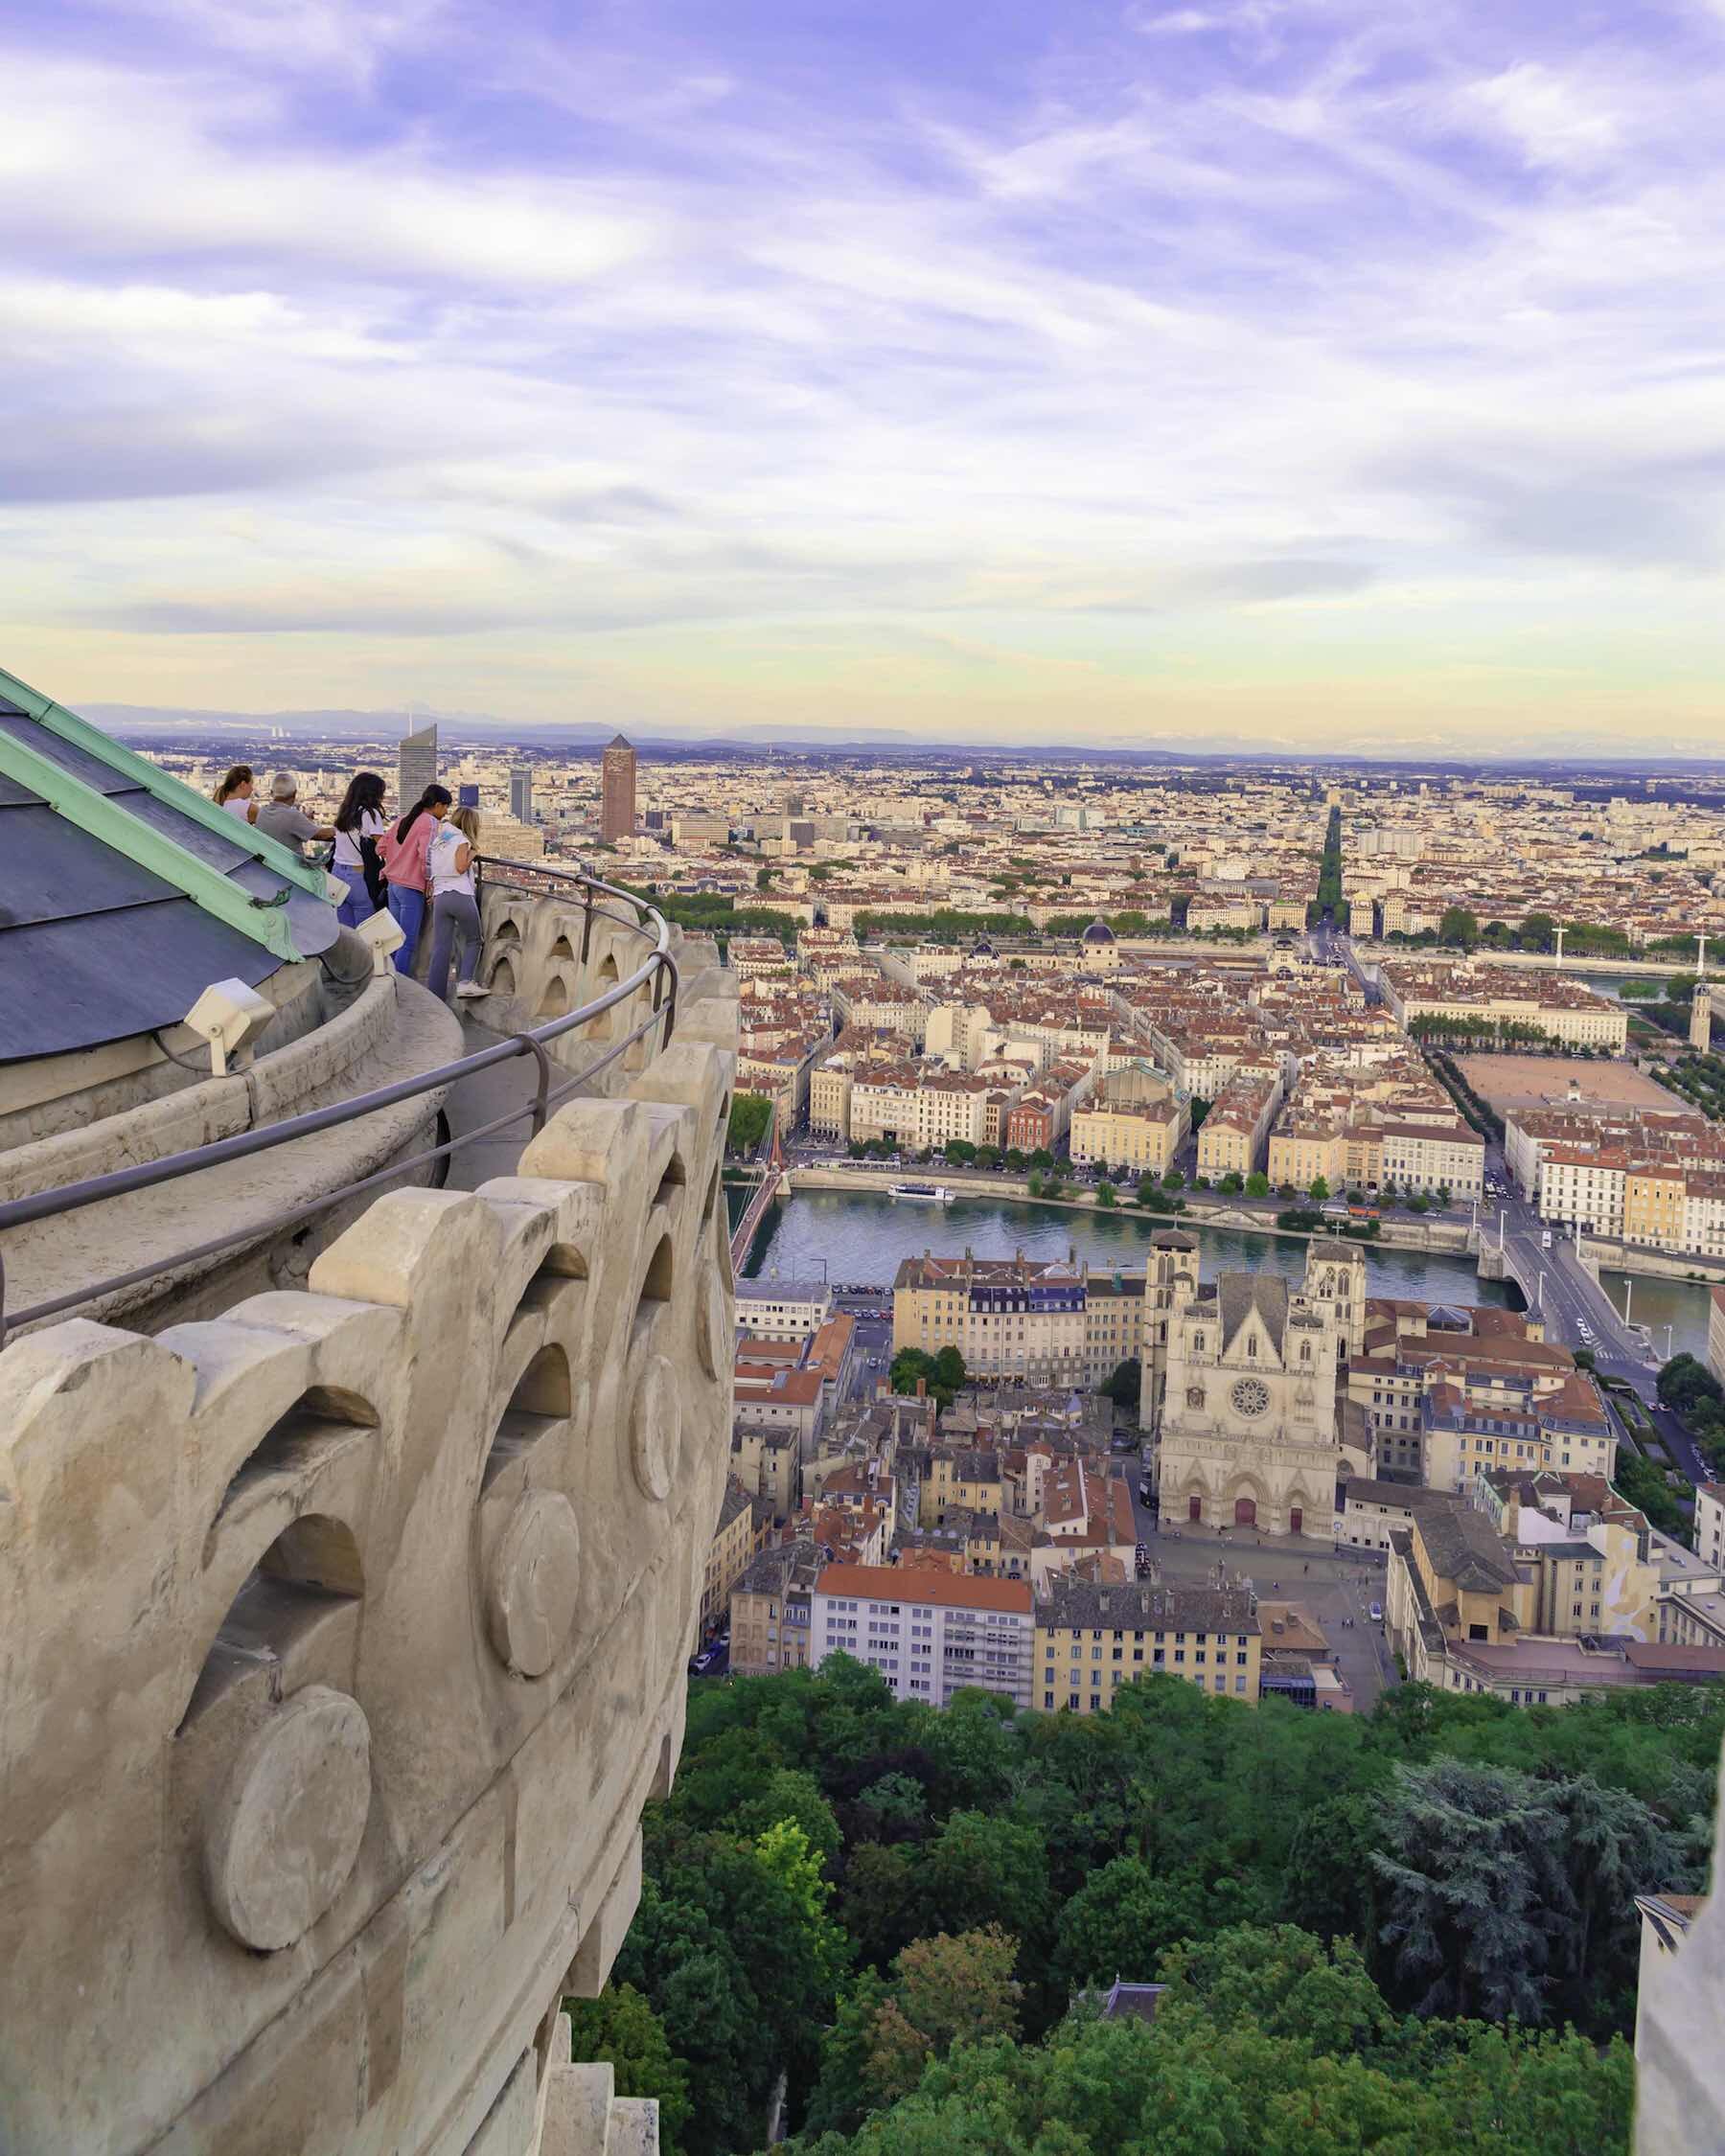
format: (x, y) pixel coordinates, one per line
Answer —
(782, 1309)
(930, 1634)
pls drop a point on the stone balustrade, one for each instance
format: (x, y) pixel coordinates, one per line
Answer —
(343, 1637)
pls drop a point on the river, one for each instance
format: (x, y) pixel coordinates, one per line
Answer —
(1681, 1305)
(862, 1235)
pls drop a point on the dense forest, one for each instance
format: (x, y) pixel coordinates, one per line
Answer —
(1412, 1930)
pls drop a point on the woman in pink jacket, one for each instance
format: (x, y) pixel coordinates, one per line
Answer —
(402, 851)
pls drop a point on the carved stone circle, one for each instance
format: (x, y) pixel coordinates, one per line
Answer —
(284, 1832)
(713, 1328)
(655, 1429)
(535, 1580)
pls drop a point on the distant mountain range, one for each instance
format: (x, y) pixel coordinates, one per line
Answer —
(148, 721)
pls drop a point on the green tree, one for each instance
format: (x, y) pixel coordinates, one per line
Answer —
(960, 1988)
(1125, 1384)
(943, 1374)
(1257, 1184)
(620, 2027)
(949, 1371)
(1459, 926)
(750, 1115)
(1320, 1188)
(881, 1904)
(790, 1795)
(1105, 1196)
(1538, 933)
(788, 1856)
(1122, 1918)
(982, 1869)
(1173, 1179)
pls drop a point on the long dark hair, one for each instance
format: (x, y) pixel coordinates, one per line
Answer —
(431, 794)
(236, 777)
(364, 795)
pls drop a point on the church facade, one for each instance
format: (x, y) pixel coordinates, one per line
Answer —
(1248, 1434)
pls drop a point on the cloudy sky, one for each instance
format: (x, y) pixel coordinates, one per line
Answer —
(1333, 371)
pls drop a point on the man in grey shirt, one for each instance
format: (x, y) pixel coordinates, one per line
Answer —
(282, 818)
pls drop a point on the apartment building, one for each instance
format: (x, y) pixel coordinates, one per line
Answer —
(1450, 1388)
(1655, 1177)
(923, 1106)
(1715, 1333)
(1490, 998)
(775, 1309)
(931, 1632)
(1143, 1136)
(1233, 1137)
(1038, 1320)
(1709, 1521)
(1091, 1640)
(737, 1539)
(873, 1001)
(771, 1611)
(1562, 1605)
(1042, 1114)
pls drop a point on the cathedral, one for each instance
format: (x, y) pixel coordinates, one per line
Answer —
(1248, 1433)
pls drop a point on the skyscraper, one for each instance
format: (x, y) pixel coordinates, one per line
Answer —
(617, 792)
(521, 794)
(416, 768)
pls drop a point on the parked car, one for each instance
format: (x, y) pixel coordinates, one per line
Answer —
(1376, 1613)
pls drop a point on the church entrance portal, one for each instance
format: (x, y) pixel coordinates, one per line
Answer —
(1244, 1512)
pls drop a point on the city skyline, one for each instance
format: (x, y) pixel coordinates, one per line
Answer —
(1282, 372)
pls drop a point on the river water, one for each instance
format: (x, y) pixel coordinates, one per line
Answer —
(1681, 1305)
(862, 1235)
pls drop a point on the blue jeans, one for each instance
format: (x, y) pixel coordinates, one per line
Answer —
(407, 908)
(357, 906)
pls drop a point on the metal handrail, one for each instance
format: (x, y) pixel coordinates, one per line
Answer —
(659, 968)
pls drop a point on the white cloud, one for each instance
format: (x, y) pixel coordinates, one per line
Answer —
(1241, 357)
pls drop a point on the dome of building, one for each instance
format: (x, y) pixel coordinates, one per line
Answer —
(1098, 932)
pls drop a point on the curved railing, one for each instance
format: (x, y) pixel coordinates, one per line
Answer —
(659, 968)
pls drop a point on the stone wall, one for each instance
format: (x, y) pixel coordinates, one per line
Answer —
(343, 1639)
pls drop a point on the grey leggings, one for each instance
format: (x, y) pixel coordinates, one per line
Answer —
(453, 916)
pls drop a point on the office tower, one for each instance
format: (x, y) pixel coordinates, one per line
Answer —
(617, 792)
(416, 767)
(521, 794)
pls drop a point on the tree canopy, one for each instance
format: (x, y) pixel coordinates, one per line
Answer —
(898, 1905)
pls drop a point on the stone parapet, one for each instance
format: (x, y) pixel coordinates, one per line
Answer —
(342, 1638)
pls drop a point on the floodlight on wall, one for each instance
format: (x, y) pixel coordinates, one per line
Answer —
(385, 936)
(227, 1015)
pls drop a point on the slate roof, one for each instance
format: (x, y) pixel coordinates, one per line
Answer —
(1239, 1294)
(106, 943)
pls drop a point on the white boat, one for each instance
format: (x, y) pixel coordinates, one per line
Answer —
(931, 1193)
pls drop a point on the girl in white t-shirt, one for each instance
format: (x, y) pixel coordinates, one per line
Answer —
(360, 821)
(234, 795)
(454, 909)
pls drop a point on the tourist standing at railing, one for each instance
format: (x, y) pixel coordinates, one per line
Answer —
(282, 818)
(234, 795)
(453, 857)
(359, 823)
(403, 848)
